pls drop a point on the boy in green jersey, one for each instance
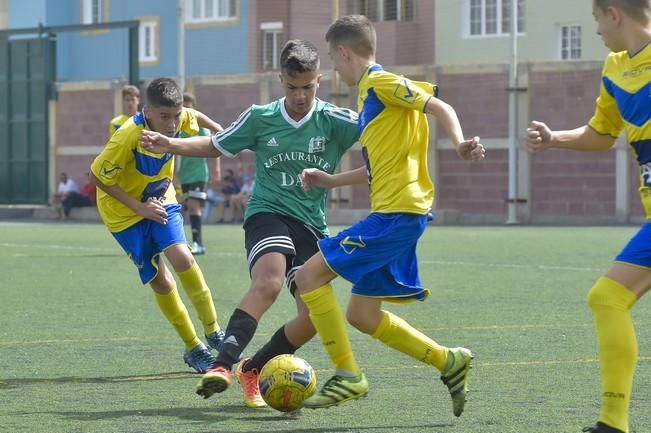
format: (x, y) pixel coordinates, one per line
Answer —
(193, 177)
(282, 221)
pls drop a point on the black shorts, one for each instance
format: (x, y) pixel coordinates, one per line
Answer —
(268, 232)
(196, 190)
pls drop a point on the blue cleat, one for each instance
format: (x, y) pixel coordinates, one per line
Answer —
(215, 340)
(200, 358)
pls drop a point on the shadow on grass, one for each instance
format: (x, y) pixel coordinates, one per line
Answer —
(20, 381)
(237, 413)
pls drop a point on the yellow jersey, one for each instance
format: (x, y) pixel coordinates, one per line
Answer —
(624, 102)
(116, 122)
(141, 174)
(395, 138)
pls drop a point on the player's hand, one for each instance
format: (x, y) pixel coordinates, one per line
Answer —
(315, 178)
(153, 210)
(471, 150)
(154, 142)
(539, 137)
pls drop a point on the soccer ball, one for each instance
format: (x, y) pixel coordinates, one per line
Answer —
(286, 381)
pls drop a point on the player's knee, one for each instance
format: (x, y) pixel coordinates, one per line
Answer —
(361, 322)
(597, 293)
(268, 286)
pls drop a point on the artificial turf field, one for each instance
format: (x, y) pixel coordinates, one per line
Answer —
(83, 347)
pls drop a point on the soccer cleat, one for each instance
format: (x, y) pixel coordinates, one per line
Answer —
(250, 385)
(601, 428)
(215, 340)
(455, 377)
(215, 380)
(197, 249)
(200, 358)
(337, 390)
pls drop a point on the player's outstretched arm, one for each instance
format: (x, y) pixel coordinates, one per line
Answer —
(471, 150)
(206, 122)
(152, 210)
(315, 178)
(193, 146)
(540, 137)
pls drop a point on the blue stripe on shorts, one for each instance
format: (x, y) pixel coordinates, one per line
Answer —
(378, 255)
(144, 241)
(638, 249)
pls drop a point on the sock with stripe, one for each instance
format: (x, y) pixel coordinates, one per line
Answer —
(400, 335)
(329, 323)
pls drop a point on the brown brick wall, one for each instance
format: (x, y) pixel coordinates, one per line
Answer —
(573, 184)
(82, 120)
(480, 100)
(475, 188)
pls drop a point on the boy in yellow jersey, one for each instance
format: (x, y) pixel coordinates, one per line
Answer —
(378, 254)
(137, 203)
(623, 104)
(130, 101)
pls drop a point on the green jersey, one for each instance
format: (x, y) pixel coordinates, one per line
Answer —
(283, 148)
(193, 170)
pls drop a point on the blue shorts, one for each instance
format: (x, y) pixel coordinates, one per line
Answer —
(638, 250)
(378, 255)
(144, 241)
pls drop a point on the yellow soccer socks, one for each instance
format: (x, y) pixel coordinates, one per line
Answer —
(618, 351)
(328, 320)
(400, 335)
(199, 293)
(172, 307)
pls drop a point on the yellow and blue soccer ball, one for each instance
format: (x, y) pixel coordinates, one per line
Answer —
(286, 381)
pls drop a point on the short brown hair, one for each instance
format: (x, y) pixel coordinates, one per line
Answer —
(188, 98)
(639, 10)
(130, 90)
(356, 31)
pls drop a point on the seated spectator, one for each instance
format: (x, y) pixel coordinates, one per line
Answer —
(230, 187)
(213, 198)
(86, 197)
(241, 199)
(65, 187)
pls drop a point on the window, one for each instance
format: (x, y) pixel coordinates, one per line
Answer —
(92, 11)
(148, 40)
(210, 10)
(272, 35)
(493, 17)
(383, 10)
(569, 42)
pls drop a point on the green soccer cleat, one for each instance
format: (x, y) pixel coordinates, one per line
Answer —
(337, 390)
(455, 377)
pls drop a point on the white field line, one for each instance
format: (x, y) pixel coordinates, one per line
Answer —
(425, 262)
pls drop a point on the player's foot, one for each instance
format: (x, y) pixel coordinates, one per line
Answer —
(200, 358)
(337, 390)
(250, 385)
(215, 340)
(601, 428)
(455, 377)
(197, 249)
(215, 380)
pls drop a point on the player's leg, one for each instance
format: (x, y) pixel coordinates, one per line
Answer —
(142, 243)
(348, 383)
(269, 247)
(195, 286)
(195, 195)
(292, 335)
(170, 238)
(611, 300)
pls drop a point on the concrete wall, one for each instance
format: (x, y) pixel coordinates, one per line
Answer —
(539, 43)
